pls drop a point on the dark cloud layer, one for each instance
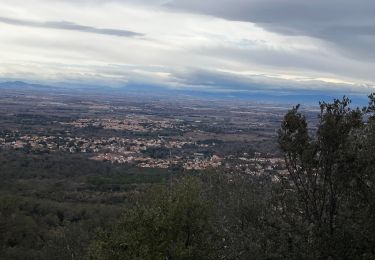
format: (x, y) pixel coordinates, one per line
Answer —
(224, 81)
(348, 24)
(63, 25)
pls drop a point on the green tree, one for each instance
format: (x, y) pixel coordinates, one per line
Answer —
(327, 195)
(169, 222)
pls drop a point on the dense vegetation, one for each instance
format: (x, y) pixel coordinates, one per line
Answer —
(52, 204)
(322, 206)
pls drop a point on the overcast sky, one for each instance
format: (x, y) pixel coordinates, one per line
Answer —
(221, 45)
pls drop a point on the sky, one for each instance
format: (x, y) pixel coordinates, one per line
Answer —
(212, 45)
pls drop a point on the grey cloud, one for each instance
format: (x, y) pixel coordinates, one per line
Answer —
(308, 61)
(216, 81)
(348, 24)
(64, 25)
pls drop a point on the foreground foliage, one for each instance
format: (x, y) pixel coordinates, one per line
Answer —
(330, 181)
(169, 222)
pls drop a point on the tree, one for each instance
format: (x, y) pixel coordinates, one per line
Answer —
(329, 181)
(169, 222)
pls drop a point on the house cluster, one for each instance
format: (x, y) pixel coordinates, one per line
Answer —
(133, 124)
(136, 151)
(255, 165)
(115, 149)
(188, 163)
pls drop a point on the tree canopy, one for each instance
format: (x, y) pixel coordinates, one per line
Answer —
(330, 180)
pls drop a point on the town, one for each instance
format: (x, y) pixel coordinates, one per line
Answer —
(193, 137)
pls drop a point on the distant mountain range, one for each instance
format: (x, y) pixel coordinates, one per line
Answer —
(21, 85)
(285, 97)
